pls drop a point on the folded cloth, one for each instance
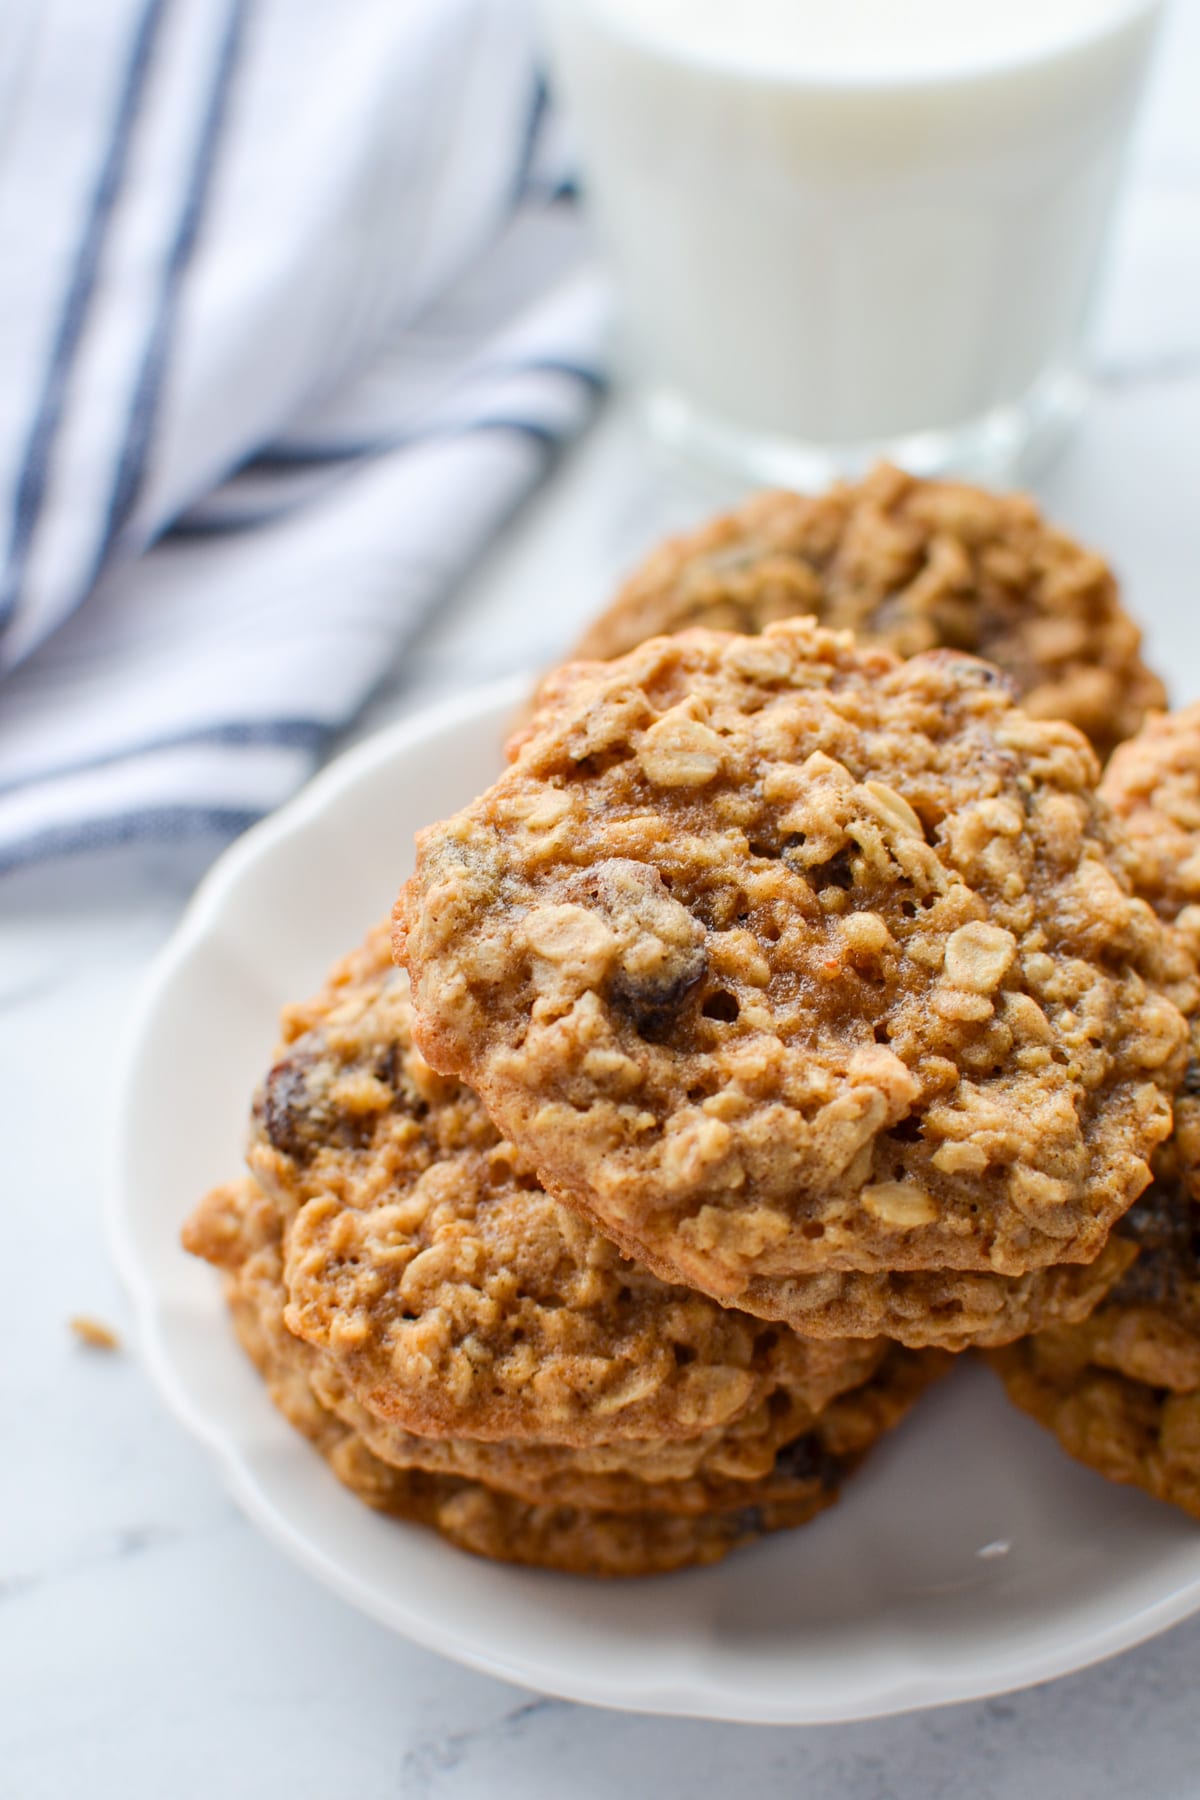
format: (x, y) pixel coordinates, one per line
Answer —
(295, 309)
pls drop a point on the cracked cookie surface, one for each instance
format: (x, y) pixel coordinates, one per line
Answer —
(780, 957)
(913, 565)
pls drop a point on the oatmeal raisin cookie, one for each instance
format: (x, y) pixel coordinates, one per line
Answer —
(913, 565)
(781, 958)
(459, 1299)
(1121, 1390)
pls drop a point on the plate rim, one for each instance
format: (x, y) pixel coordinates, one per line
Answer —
(702, 1697)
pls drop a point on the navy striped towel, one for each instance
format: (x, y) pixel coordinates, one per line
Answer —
(293, 312)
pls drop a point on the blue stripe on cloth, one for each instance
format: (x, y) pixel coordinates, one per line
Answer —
(283, 458)
(206, 520)
(595, 379)
(150, 824)
(195, 527)
(529, 428)
(35, 467)
(143, 412)
(288, 734)
(533, 131)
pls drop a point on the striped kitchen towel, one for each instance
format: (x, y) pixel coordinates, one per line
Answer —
(294, 310)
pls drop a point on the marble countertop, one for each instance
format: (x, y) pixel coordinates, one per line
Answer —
(151, 1643)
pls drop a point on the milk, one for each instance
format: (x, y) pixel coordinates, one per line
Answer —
(845, 225)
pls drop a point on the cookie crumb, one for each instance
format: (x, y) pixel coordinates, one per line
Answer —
(94, 1333)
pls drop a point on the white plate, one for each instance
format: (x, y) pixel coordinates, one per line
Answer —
(971, 1556)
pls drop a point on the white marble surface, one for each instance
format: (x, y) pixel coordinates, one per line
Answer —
(150, 1642)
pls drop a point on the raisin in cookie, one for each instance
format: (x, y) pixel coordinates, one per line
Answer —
(459, 1300)
(914, 565)
(780, 957)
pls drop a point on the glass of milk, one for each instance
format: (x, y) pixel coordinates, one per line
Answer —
(845, 228)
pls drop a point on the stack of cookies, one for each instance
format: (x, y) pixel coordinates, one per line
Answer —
(1121, 1389)
(793, 1012)
(469, 1352)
